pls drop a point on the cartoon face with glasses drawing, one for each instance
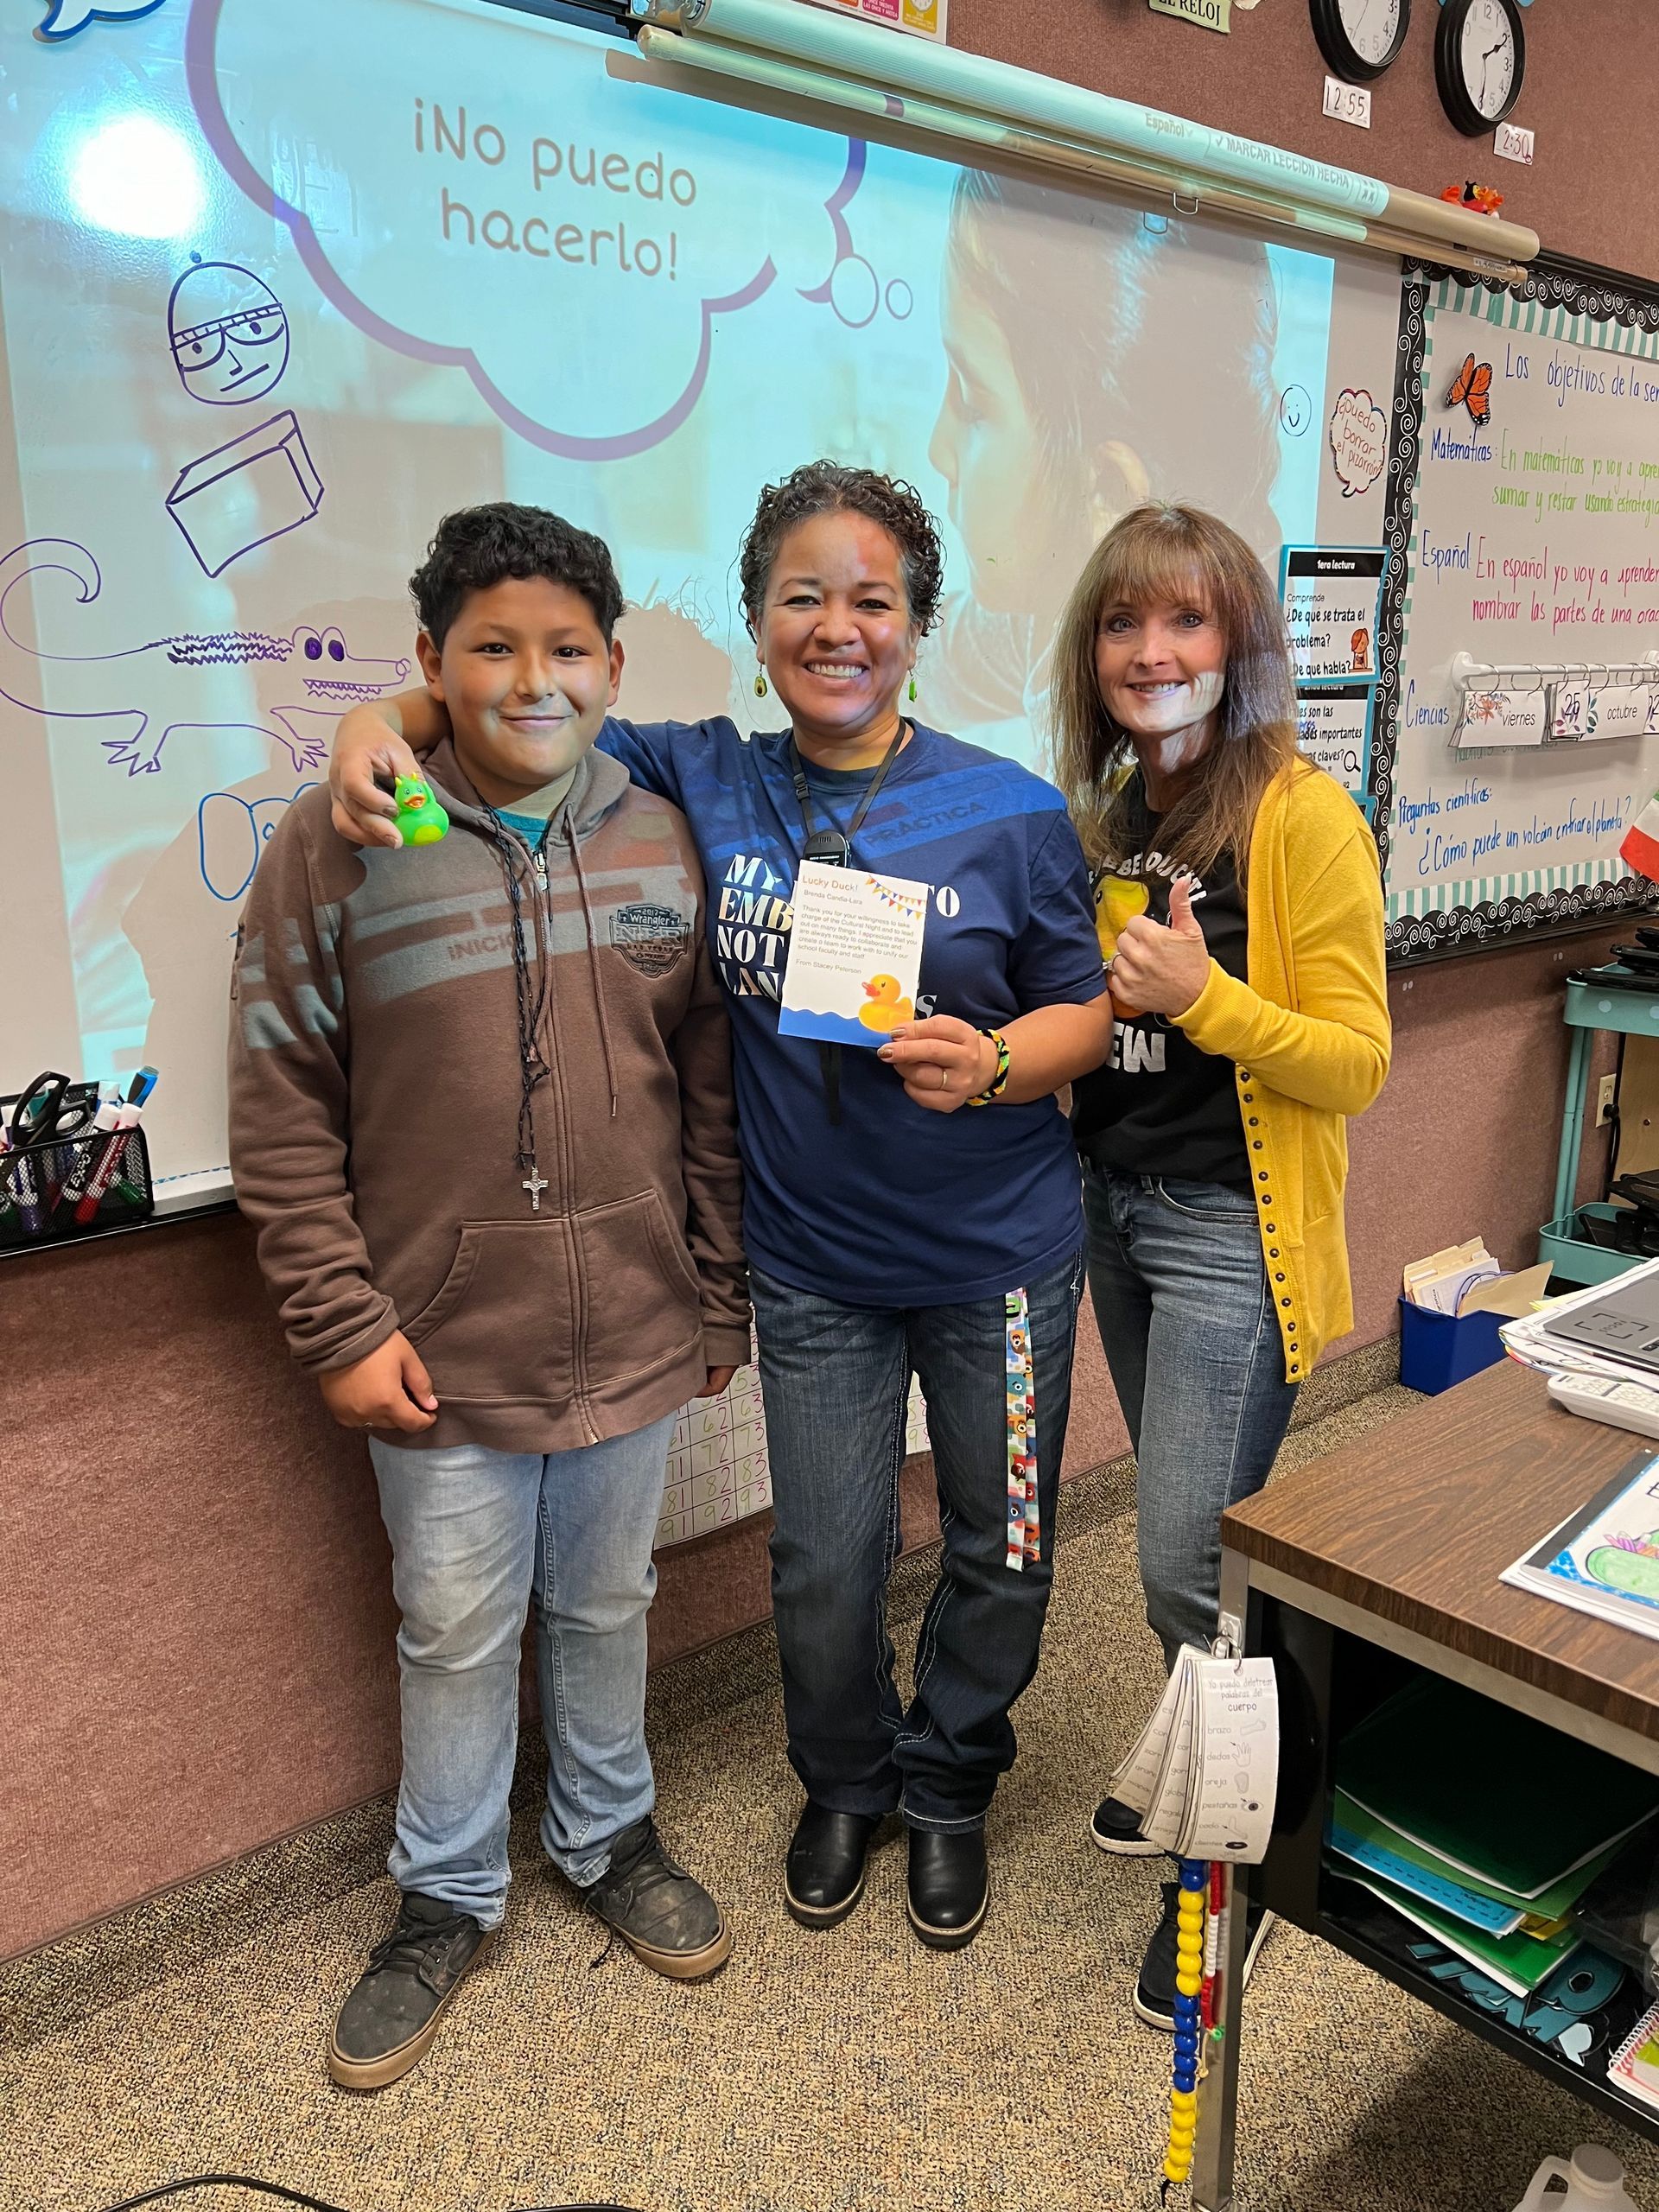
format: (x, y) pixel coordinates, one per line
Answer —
(228, 333)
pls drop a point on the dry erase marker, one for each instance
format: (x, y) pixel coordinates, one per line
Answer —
(25, 1191)
(105, 1122)
(87, 1200)
(108, 1162)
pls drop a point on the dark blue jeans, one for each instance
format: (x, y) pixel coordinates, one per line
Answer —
(1180, 1293)
(836, 1379)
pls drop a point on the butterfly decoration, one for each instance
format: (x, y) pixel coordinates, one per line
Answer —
(1471, 388)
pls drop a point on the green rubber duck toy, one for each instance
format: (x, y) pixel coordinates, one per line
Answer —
(421, 820)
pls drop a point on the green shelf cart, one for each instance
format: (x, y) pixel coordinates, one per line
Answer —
(1589, 1008)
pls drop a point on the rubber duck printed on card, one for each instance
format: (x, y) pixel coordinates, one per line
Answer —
(855, 955)
(887, 1006)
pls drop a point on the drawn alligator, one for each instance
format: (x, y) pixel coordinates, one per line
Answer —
(96, 687)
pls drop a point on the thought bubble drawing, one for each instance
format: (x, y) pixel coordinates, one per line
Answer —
(228, 331)
(66, 17)
(1359, 441)
(852, 288)
(508, 198)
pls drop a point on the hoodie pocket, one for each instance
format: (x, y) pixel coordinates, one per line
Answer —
(501, 1326)
(644, 1306)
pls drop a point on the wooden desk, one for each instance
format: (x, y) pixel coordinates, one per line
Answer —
(1386, 1557)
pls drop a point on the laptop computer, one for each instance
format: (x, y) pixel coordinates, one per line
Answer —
(1624, 1325)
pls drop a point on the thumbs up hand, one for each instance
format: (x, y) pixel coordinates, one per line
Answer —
(1162, 968)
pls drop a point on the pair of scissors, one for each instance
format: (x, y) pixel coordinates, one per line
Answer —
(48, 1113)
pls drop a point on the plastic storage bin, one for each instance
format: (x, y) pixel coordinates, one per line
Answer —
(1439, 1349)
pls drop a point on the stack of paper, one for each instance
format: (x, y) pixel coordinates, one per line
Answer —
(1203, 1771)
(1467, 1279)
(1525, 1340)
(1480, 1826)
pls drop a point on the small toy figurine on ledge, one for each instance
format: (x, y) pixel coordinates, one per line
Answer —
(421, 820)
(1481, 198)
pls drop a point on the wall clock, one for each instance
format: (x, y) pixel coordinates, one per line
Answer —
(1360, 38)
(1480, 61)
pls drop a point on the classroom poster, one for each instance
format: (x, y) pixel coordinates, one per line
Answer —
(1533, 546)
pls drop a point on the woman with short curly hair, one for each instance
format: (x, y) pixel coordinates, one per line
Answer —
(888, 1231)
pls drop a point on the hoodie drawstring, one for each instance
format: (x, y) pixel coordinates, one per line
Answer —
(593, 969)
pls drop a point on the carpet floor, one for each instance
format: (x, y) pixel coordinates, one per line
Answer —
(832, 2072)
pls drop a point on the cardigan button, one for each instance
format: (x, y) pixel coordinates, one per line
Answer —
(1278, 1277)
(1285, 1301)
(1255, 1144)
(1261, 1174)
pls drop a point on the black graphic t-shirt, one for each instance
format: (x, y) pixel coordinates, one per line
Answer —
(1160, 1106)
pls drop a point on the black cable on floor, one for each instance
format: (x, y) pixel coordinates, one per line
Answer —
(291, 2196)
(223, 2181)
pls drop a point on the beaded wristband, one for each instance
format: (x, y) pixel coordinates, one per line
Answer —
(999, 1082)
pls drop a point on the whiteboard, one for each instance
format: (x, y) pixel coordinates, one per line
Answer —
(1524, 515)
(281, 286)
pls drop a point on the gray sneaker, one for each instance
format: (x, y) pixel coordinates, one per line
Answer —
(392, 2014)
(669, 1921)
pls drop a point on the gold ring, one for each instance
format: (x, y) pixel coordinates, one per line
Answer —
(944, 1078)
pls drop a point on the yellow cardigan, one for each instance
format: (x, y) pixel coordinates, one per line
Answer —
(1309, 1034)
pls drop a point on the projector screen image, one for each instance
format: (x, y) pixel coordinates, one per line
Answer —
(281, 286)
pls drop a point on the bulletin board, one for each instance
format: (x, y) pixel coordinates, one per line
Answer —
(1523, 519)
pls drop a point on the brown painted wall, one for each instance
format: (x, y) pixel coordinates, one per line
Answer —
(1592, 190)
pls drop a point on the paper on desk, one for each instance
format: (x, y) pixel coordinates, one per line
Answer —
(1526, 1339)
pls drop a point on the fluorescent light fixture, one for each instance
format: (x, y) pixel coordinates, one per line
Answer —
(138, 177)
(811, 54)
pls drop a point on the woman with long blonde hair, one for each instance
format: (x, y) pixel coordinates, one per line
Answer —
(1239, 905)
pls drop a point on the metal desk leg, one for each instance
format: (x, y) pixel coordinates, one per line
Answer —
(1577, 1086)
(1213, 2163)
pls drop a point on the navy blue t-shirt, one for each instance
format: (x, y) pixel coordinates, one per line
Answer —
(896, 1206)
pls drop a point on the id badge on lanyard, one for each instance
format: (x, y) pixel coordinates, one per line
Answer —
(832, 848)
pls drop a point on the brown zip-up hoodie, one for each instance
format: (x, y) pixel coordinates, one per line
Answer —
(375, 1088)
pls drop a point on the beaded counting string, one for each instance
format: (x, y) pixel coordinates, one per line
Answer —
(1197, 1934)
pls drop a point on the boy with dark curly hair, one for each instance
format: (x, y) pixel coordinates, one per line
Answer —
(481, 1115)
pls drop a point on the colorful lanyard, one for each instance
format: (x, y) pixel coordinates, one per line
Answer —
(1024, 1527)
(834, 848)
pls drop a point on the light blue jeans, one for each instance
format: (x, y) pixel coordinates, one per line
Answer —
(476, 1537)
(1180, 1293)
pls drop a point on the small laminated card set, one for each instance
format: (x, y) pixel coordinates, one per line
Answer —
(1203, 1773)
(73, 1159)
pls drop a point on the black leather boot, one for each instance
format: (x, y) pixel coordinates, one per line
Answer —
(823, 1873)
(949, 1886)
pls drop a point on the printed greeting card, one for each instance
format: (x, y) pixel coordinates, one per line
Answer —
(855, 955)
